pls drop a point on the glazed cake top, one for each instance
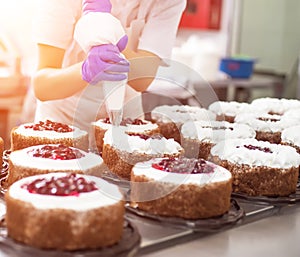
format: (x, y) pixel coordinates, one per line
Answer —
(228, 108)
(105, 194)
(266, 122)
(134, 126)
(182, 171)
(274, 105)
(291, 135)
(181, 113)
(55, 157)
(49, 129)
(215, 131)
(256, 153)
(117, 138)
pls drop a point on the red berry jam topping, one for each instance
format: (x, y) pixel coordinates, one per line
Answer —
(50, 126)
(269, 119)
(145, 137)
(56, 152)
(252, 147)
(69, 185)
(127, 121)
(184, 166)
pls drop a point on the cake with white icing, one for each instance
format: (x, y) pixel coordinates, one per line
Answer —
(200, 136)
(274, 105)
(65, 212)
(122, 150)
(48, 132)
(181, 187)
(291, 136)
(133, 126)
(42, 159)
(171, 117)
(258, 167)
(228, 110)
(268, 126)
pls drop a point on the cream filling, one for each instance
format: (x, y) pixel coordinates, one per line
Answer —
(228, 108)
(27, 132)
(233, 150)
(22, 158)
(215, 131)
(145, 168)
(181, 113)
(117, 138)
(108, 194)
(291, 135)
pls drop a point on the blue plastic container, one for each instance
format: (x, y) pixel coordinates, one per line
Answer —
(237, 68)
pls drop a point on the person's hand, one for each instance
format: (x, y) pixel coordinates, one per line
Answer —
(105, 62)
(96, 6)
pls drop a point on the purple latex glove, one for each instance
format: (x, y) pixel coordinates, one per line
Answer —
(96, 6)
(104, 62)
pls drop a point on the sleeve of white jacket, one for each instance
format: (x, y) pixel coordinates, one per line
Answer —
(97, 28)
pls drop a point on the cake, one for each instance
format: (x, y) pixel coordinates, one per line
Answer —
(274, 105)
(200, 136)
(228, 110)
(1, 151)
(171, 117)
(133, 126)
(122, 150)
(290, 136)
(48, 132)
(181, 187)
(258, 168)
(64, 211)
(268, 127)
(42, 159)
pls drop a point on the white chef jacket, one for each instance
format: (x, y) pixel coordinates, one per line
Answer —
(154, 25)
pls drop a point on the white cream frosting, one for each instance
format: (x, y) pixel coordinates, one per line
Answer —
(275, 105)
(117, 138)
(253, 120)
(108, 194)
(291, 135)
(28, 132)
(233, 150)
(22, 158)
(220, 174)
(215, 131)
(229, 108)
(181, 113)
(131, 128)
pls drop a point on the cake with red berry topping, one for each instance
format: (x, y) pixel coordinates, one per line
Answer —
(42, 159)
(170, 118)
(133, 126)
(268, 127)
(181, 187)
(48, 132)
(228, 110)
(258, 167)
(122, 150)
(64, 211)
(200, 136)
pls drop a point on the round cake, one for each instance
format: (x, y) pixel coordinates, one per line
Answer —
(181, 187)
(122, 150)
(268, 127)
(64, 211)
(228, 110)
(42, 159)
(200, 136)
(258, 167)
(133, 126)
(171, 117)
(274, 105)
(291, 136)
(48, 132)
